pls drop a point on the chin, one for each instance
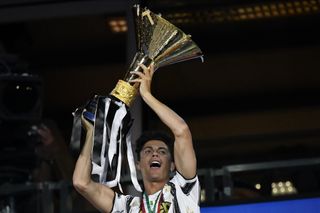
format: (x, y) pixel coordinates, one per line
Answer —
(156, 177)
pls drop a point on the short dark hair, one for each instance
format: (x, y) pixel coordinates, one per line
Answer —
(154, 135)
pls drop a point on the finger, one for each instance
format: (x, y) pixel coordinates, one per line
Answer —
(135, 80)
(140, 74)
(85, 121)
(151, 67)
(145, 69)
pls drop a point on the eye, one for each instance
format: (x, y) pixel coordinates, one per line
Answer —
(147, 151)
(162, 152)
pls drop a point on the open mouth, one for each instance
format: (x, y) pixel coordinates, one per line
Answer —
(155, 164)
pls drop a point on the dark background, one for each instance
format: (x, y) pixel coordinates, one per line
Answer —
(255, 98)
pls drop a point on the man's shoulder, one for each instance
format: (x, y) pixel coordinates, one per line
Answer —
(178, 178)
(186, 185)
(125, 201)
(125, 196)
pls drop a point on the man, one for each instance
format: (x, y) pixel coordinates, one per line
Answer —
(180, 194)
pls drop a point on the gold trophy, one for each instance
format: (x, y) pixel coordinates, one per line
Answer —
(158, 41)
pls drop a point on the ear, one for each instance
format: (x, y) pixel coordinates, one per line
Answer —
(138, 165)
(172, 167)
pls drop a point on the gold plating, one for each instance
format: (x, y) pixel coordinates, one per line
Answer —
(124, 92)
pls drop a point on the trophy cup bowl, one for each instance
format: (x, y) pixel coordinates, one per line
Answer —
(159, 42)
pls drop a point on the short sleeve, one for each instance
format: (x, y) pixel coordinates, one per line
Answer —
(182, 182)
(187, 192)
(125, 203)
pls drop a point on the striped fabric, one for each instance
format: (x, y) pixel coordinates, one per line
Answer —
(112, 124)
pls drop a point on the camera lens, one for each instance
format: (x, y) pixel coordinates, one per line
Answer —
(20, 97)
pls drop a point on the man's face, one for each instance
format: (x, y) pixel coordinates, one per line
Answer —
(155, 161)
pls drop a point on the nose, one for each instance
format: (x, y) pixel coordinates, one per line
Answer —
(154, 153)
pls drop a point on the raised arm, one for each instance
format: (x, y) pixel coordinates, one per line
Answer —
(184, 155)
(97, 194)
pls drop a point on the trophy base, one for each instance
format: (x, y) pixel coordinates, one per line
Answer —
(125, 92)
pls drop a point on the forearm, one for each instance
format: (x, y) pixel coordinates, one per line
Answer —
(97, 194)
(171, 119)
(184, 155)
(82, 171)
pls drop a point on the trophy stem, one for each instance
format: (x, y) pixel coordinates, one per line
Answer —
(125, 91)
(139, 58)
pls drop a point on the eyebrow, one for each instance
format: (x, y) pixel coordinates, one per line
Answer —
(150, 147)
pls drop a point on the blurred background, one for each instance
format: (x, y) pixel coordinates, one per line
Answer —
(253, 105)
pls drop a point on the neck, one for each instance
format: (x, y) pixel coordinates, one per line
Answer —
(153, 187)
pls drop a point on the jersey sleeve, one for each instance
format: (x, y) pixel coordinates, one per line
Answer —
(187, 192)
(188, 186)
(125, 203)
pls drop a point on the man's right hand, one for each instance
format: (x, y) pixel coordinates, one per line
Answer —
(87, 121)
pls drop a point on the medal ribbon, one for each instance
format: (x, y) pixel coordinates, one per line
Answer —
(160, 195)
